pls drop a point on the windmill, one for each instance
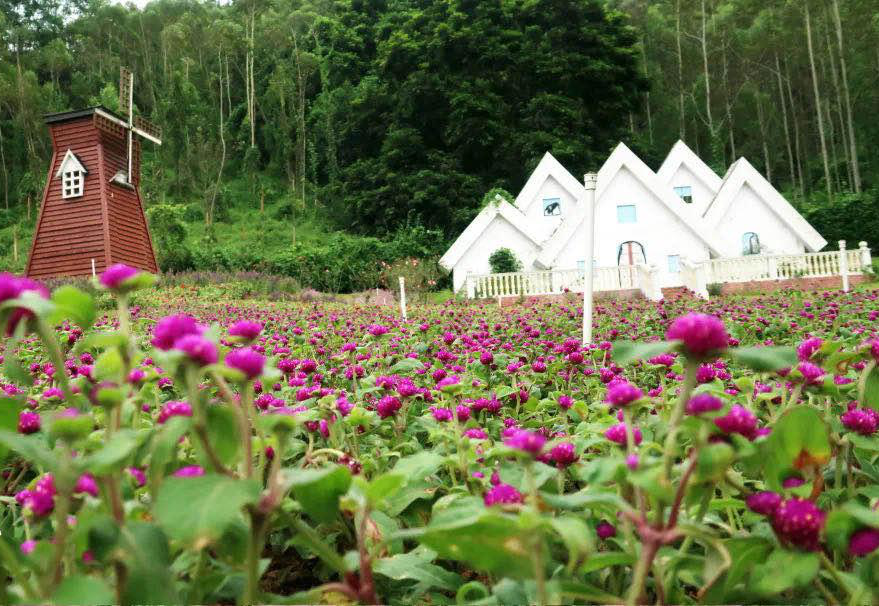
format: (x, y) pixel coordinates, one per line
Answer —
(92, 215)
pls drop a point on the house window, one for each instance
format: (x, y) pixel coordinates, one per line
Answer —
(750, 243)
(674, 264)
(552, 207)
(626, 213)
(71, 184)
(685, 192)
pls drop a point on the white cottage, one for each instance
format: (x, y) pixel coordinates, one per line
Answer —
(683, 211)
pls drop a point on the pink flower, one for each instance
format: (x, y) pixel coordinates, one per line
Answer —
(175, 409)
(605, 530)
(198, 349)
(28, 546)
(387, 407)
(116, 276)
(702, 403)
(138, 476)
(502, 494)
(12, 287)
(246, 330)
(617, 434)
(699, 333)
(563, 454)
(860, 420)
(170, 328)
(28, 422)
(863, 542)
(798, 522)
(86, 484)
(764, 503)
(246, 360)
(527, 441)
(622, 393)
(190, 471)
(738, 420)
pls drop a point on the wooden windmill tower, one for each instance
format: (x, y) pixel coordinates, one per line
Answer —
(92, 215)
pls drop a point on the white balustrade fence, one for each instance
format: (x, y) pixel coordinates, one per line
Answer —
(695, 275)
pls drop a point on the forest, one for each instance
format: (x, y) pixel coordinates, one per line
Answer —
(330, 127)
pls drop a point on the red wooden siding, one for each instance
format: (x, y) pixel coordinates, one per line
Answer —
(106, 224)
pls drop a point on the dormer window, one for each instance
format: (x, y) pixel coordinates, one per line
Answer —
(685, 192)
(72, 174)
(552, 207)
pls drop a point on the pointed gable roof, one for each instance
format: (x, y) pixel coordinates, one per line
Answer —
(546, 168)
(497, 208)
(681, 153)
(742, 173)
(68, 163)
(623, 157)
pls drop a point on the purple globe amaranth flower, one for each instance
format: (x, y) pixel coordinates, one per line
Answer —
(863, 542)
(245, 330)
(700, 334)
(86, 484)
(475, 433)
(812, 374)
(873, 346)
(764, 503)
(632, 461)
(441, 414)
(136, 375)
(174, 409)
(486, 358)
(798, 522)
(170, 328)
(702, 403)
(502, 494)
(565, 402)
(808, 347)
(617, 434)
(116, 276)
(793, 482)
(137, 475)
(738, 420)
(12, 287)
(247, 360)
(53, 393)
(605, 530)
(563, 454)
(462, 411)
(198, 349)
(377, 330)
(28, 422)
(28, 546)
(705, 374)
(622, 393)
(527, 441)
(190, 471)
(864, 421)
(665, 359)
(387, 407)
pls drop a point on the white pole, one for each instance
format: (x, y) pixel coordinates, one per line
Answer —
(843, 265)
(403, 297)
(589, 182)
(93, 268)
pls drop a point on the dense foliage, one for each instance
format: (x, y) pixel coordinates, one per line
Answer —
(203, 451)
(503, 260)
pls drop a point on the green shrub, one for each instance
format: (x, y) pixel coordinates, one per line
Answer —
(503, 261)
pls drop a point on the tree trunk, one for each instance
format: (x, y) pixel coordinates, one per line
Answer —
(767, 166)
(790, 154)
(681, 117)
(5, 171)
(300, 113)
(820, 120)
(647, 94)
(704, 44)
(252, 77)
(853, 147)
(215, 190)
(796, 123)
(842, 131)
(728, 105)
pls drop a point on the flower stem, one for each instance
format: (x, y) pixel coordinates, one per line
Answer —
(690, 371)
(636, 590)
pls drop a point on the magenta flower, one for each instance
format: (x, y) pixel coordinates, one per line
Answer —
(387, 407)
(702, 403)
(28, 546)
(617, 434)
(12, 287)
(764, 503)
(475, 433)
(28, 422)
(174, 409)
(605, 530)
(738, 420)
(798, 522)
(565, 402)
(441, 414)
(812, 374)
(86, 484)
(502, 494)
(190, 471)
(247, 361)
(246, 330)
(138, 475)
(622, 393)
(377, 330)
(170, 328)
(808, 347)
(864, 421)
(486, 358)
(527, 441)
(116, 276)
(563, 454)
(700, 334)
(198, 349)
(863, 542)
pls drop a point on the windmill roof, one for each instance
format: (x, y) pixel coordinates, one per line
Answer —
(78, 113)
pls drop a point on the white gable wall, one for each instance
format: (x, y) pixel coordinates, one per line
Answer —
(702, 193)
(499, 234)
(541, 225)
(748, 212)
(659, 231)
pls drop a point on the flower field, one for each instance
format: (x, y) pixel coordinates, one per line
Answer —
(196, 451)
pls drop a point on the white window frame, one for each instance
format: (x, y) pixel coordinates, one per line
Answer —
(547, 202)
(72, 184)
(686, 197)
(620, 213)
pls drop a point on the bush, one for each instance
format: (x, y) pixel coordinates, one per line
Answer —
(421, 275)
(503, 261)
(168, 230)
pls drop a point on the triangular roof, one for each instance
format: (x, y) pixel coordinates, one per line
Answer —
(681, 153)
(69, 163)
(742, 173)
(498, 207)
(623, 157)
(546, 168)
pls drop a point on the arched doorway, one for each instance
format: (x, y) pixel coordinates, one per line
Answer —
(750, 243)
(629, 254)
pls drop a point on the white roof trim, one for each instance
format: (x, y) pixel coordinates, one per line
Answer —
(498, 207)
(741, 173)
(623, 157)
(681, 153)
(68, 163)
(546, 168)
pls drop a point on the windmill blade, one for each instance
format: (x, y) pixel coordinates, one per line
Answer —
(126, 81)
(148, 130)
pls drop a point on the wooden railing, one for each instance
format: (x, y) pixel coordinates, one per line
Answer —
(530, 283)
(783, 267)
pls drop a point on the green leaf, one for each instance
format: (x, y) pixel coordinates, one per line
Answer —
(318, 490)
(843, 521)
(223, 434)
(577, 537)
(765, 359)
(383, 487)
(606, 559)
(147, 557)
(713, 461)
(14, 371)
(406, 365)
(416, 567)
(871, 389)
(585, 498)
(164, 445)
(198, 510)
(626, 352)
(80, 589)
(73, 304)
(784, 570)
(114, 454)
(799, 440)
(32, 448)
(109, 366)
(9, 411)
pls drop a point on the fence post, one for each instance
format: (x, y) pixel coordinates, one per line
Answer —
(866, 261)
(843, 265)
(93, 268)
(403, 298)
